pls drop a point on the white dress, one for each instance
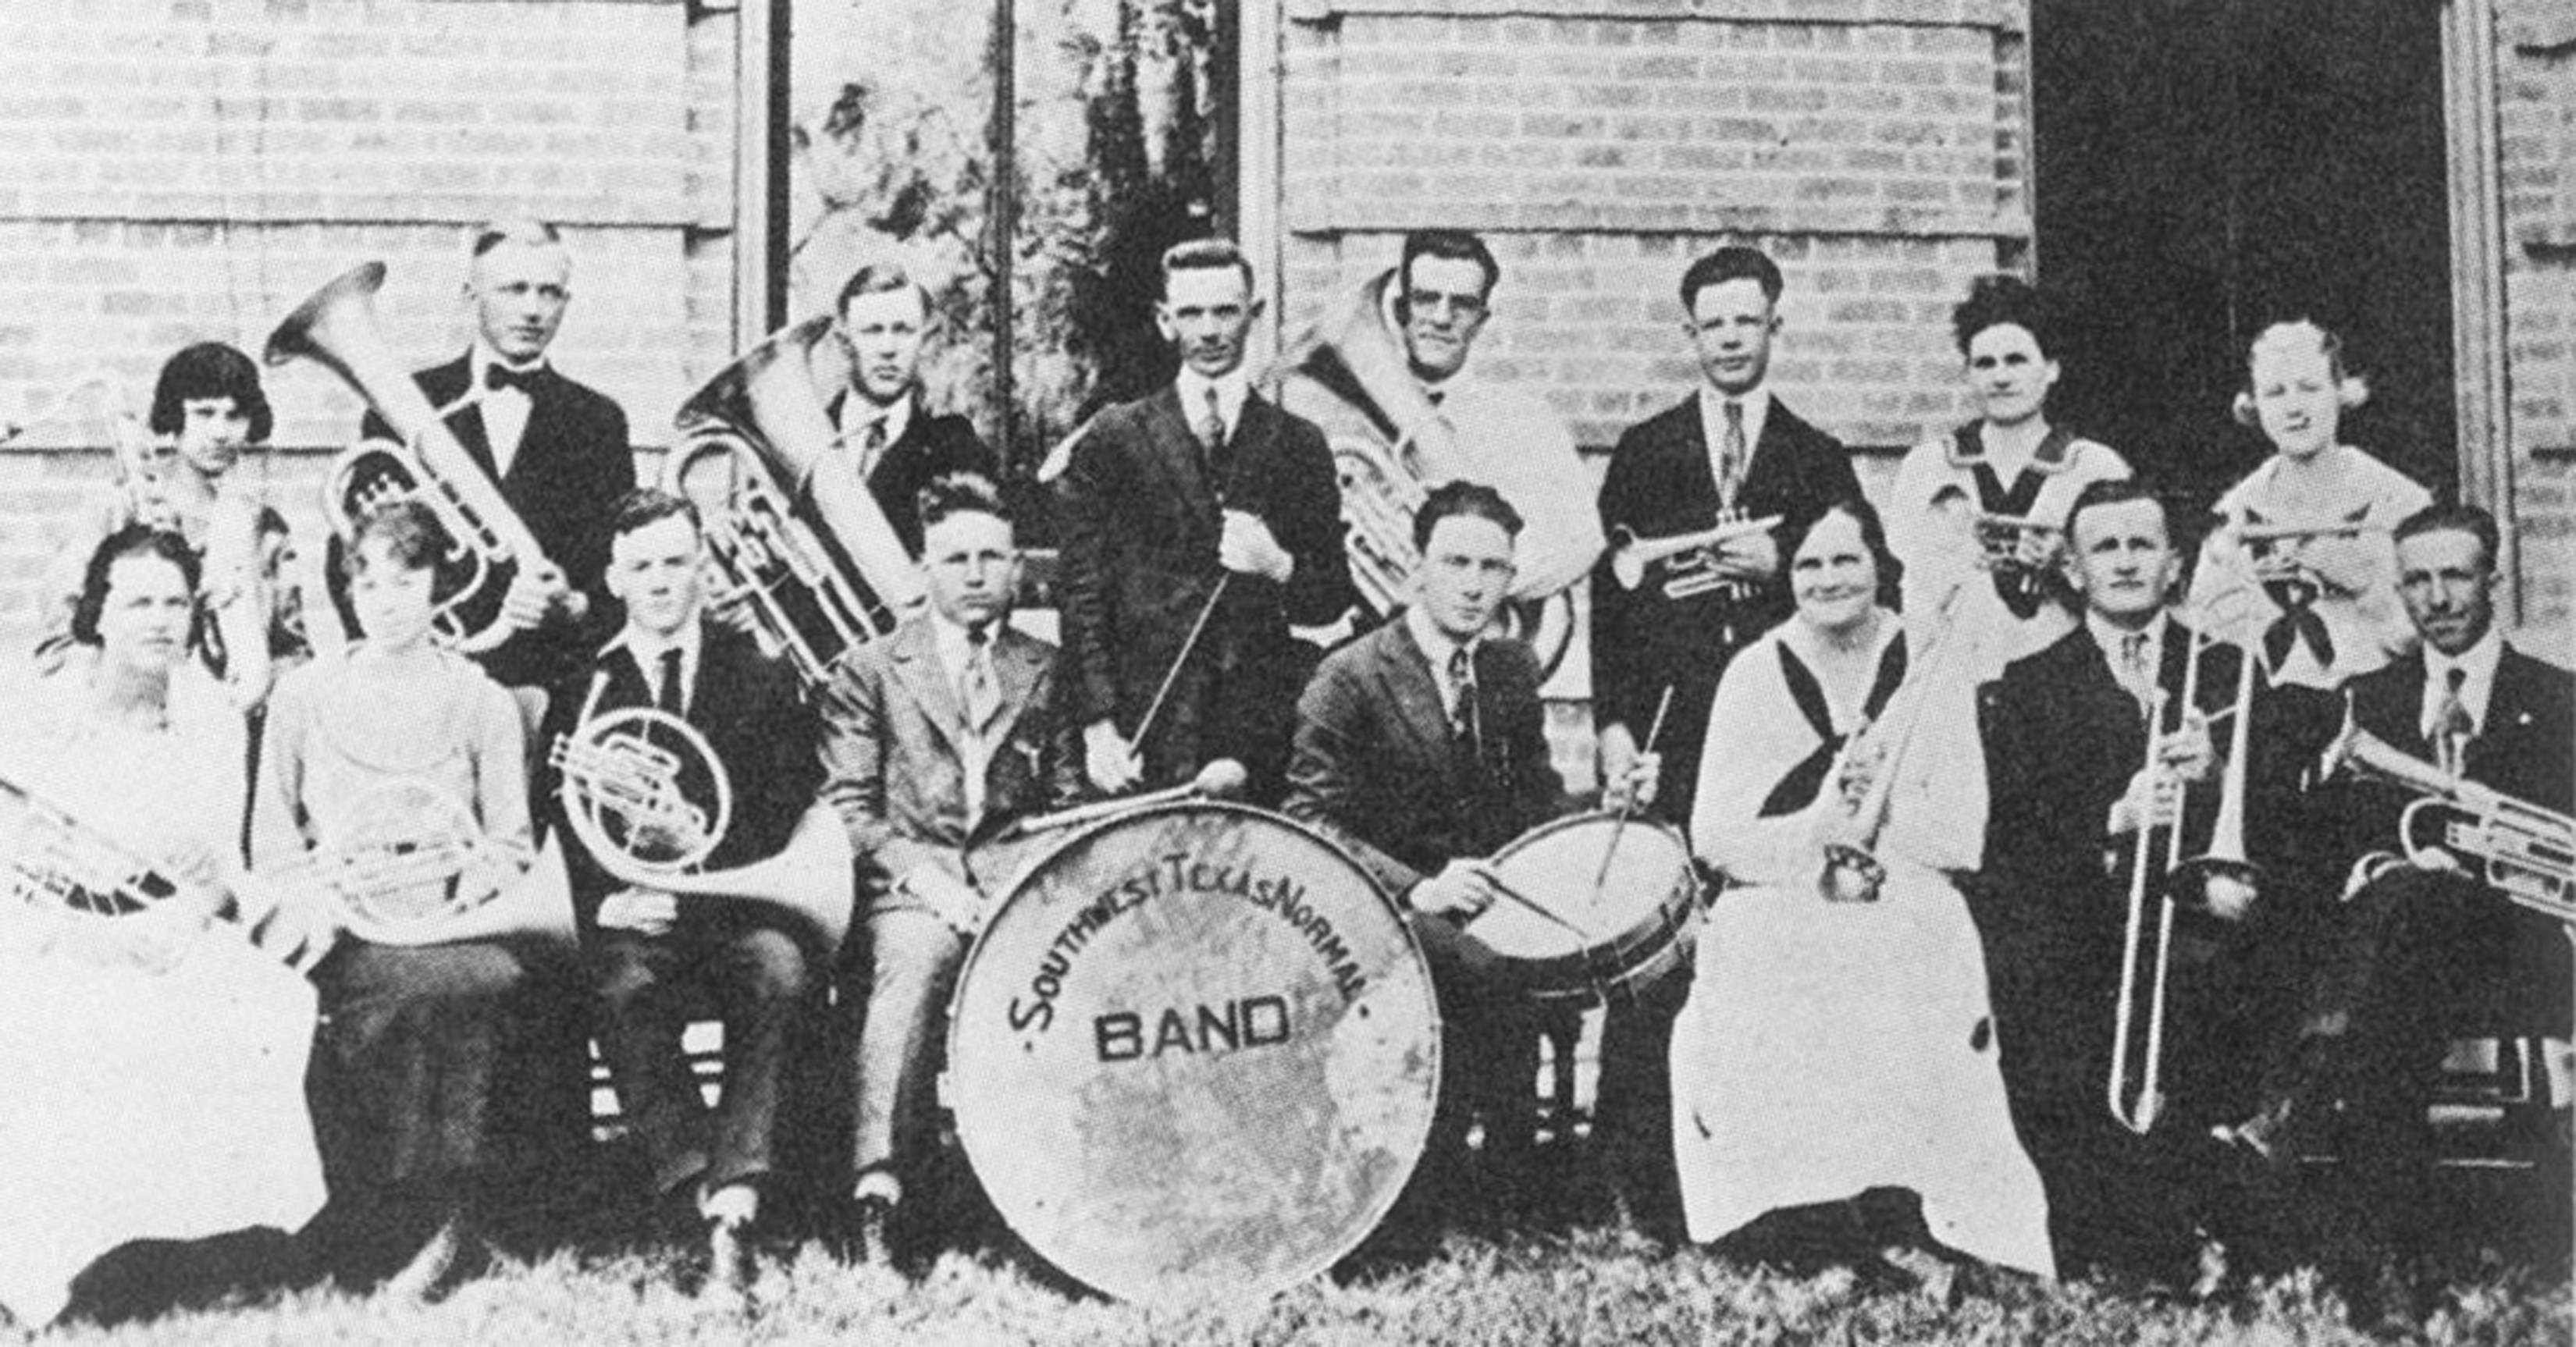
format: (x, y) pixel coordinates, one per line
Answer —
(1830, 1048)
(151, 1098)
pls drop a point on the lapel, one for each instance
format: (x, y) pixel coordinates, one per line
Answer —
(1018, 659)
(915, 658)
(1688, 444)
(445, 384)
(2389, 702)
(1176, 454)
(1405, 683)
(544, 410)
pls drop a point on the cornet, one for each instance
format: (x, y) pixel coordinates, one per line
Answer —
(1999, 536)
(1690, 559)
(2526, 853)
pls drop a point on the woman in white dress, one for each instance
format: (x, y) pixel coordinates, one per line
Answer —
(1951, 493)
(1835, 1050)
(2323, 607)
(157, 1057)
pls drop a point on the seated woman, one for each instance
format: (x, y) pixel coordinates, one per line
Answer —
(393, 775)
(2323, 597)
(1835, 1059)
(124, 997)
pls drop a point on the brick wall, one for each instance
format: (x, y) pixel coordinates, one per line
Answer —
(182, 170)
(1874, 149)
(2536, 92)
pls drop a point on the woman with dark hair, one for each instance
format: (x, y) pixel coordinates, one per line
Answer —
(396, 747)
(1834, 1068)
(207, 407)
(156, 1055)
(1977, 515)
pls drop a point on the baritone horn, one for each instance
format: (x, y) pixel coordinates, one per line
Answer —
(2524, 852)
(489, 543)
(1690, 559)
(651, 803)
(816, 589)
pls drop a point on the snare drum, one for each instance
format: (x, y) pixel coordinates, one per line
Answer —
(1616, 936)
(1195, 1051)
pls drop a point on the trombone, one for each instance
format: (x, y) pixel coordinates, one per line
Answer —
(2178, 881)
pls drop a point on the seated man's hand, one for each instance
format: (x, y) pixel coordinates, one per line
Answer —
(1108, 759)
(2189, 753)
(1634, 787)
(649, 912)
(2154, 800)
(1460, 890)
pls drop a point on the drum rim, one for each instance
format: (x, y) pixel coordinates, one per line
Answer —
(1555, 978)
(946, 1093)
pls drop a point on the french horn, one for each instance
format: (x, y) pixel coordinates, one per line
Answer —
(406, 863)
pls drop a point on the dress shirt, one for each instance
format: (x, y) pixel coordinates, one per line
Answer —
(2479, 663)
(975, 750)
(646, 649)
(858, 413)
(1440, 649)
(1231, 389)
(2113, 638)
(504, 410)
(1712, 424)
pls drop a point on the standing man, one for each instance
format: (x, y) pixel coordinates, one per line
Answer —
(1421, 747)
(1203, 511)
(652, 955)
(935, 740)
(2423, 938)
(1729, 450)
(895, 443)
(557, 449)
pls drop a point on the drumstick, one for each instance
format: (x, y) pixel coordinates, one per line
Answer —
(1189, 644)
(1620, 825)
(1532, 904)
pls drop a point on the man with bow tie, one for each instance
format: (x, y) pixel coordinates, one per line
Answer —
(936, 739)
(1422, 748)
(1200, 522)
(885, 429)
(557, 450)
(2422, 943)
(654, 957)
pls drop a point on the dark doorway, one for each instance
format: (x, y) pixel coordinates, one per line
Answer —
(2206, 166)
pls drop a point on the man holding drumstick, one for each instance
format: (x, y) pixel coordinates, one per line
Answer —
(1422, 748)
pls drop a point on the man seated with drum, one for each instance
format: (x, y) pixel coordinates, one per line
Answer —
(934, 740)
(1422, 748)
(654, 957)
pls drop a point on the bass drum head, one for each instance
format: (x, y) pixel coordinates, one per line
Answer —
(1195, 1052)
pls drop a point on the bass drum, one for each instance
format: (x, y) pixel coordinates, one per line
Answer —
(1194, 1053)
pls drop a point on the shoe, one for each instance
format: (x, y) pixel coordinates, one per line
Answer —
(865, 1234)
(730, 1269)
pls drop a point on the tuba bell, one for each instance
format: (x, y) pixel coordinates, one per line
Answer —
(337, 327)
(818, 584)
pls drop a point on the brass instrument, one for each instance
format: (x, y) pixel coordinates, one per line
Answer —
(624, 779)
(406, 863)
(816, 589)
(1999, 536)
(52, 862)
(1852, 872)
(337, 327)
(2301, 531)
(2179, 882)
(2527, 853)
(1690, 559)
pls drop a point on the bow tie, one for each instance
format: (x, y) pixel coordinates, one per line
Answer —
(497, 377)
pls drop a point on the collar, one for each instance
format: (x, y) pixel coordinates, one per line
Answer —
(1437, 646)
(858, 413)
(1712, 415)
(2479, 662)
(1231, 390)
(1456, 388)
(646, 649)
(2054, 453)
(949, 641)
(2107, 635)
(483, 357)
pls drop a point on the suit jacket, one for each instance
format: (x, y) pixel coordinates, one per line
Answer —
(892, 766)
(573, 463)
(751, 712)
(931, 447)
(1140, 525)
(1659, 484)
(1377, 768)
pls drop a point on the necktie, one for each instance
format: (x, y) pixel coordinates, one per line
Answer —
(983, 697)
(1730, 467)
(668, 695)
(498, 377)
(1437, 396)
(871, 448)
(2135, 674)
(1465, 716)
(1211, 433)
(2452, 725)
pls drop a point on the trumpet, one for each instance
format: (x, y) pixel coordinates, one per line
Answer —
(2525, 852)
(625, 779)
(1999, 536)
(337, 327)
(1690, 558)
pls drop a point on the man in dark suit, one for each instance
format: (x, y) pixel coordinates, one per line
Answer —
(1730, 449)
(653, 955)
(1163, 499)
(2072, 795)
(1422, 748)
(2423, 939)
(896, 444)
(557, 450)
(935, 740)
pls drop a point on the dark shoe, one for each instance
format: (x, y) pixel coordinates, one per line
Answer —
(865, 1233)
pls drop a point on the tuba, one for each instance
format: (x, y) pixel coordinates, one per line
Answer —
(2525, 852)
(651, 802)
(406, 863)
(816, 589)
(1350, 377)
(488, 541)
